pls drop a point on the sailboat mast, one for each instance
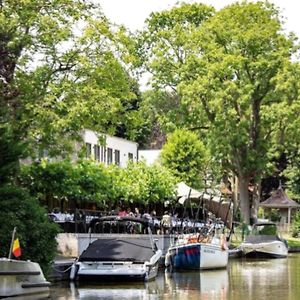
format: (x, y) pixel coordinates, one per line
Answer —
(12, 242)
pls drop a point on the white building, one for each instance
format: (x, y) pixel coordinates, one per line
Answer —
(109, 149)
(150, 156)
(100, 147)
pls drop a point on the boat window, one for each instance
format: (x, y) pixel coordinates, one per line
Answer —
(268, 229)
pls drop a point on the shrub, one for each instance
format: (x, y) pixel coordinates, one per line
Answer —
(34, 230)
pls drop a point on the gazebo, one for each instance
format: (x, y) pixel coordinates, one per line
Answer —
(280, 200)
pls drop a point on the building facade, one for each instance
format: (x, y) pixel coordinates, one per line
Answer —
(109, 149)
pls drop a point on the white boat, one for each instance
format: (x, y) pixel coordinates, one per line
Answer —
(120, 257)
(264, 242)
(198, 251)
(22, 278)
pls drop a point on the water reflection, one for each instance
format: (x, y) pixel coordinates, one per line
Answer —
(204, 284)
(244, 279)
(263, 279)
(211, 284)
(108, 291)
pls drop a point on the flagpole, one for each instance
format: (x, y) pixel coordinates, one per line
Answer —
(12, 242)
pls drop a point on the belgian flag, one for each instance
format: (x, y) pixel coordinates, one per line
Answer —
(16, 250)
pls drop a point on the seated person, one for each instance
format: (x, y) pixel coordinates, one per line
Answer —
(166, 223)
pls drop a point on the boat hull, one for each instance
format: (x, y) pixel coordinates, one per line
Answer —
(116, 271)
(197, 256)
(19, 277)
(274, 249)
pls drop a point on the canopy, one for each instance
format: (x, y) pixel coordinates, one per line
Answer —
(210, 199)
(185, 192)
(279, 199)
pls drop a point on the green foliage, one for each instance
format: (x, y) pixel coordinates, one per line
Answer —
(228, 74)
(296, 225)
(10, 151)
(266, 230)
(87, 182)
(186, 156)
(139, 183)
(64, 67)
(36, 234)
(84, 181)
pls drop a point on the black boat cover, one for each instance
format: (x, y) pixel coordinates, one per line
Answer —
(137, 250)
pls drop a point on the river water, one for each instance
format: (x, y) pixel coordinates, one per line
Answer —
(244, 279)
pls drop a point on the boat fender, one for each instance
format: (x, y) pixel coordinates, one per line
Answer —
(223, 242)
(74, 270)
(168, 260)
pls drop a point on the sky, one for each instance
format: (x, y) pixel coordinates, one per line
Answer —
(132, 13)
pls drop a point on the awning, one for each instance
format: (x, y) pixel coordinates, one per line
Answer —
(211, 201)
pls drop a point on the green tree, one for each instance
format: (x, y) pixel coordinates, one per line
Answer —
(139, 183)
(228, 83)
(80, 182)
(186, 156)
(18, 209)
(63, 67)
(36, 234)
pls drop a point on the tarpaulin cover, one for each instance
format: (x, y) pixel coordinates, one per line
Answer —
(119, 249)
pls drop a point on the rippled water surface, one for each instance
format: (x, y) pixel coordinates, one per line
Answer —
(243, 279)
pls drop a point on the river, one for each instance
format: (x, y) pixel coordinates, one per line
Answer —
(244, 279)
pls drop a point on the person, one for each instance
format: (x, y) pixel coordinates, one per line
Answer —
(129, 212)
(122, 213)
(137, 213)
(166, 223)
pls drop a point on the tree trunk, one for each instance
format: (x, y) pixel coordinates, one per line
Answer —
(244, 199)
(255, 201)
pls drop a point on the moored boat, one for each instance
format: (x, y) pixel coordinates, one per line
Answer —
(20, 278)
(122, 257)
(264, 242)
(198, 251)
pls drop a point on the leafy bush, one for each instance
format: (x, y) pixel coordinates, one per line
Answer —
(296, 225)
(36, 234)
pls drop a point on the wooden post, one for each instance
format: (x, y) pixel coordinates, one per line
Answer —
(289, 219)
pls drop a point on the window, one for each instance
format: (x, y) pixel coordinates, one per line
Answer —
(117, 157)
(130, 156)
(109, 156)
(102, 153)
(88, 149)
(97, 152)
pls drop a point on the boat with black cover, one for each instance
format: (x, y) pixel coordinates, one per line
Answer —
(126, 256)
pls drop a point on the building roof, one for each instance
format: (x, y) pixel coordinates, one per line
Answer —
(279, 199)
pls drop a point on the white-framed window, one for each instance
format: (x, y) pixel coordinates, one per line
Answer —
(97, 152)
(109, 156)
(103, 154)
(117, 157)
(130, 156)
(88, 149)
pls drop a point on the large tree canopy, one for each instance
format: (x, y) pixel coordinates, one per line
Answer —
(63, 67)
(228, 82)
